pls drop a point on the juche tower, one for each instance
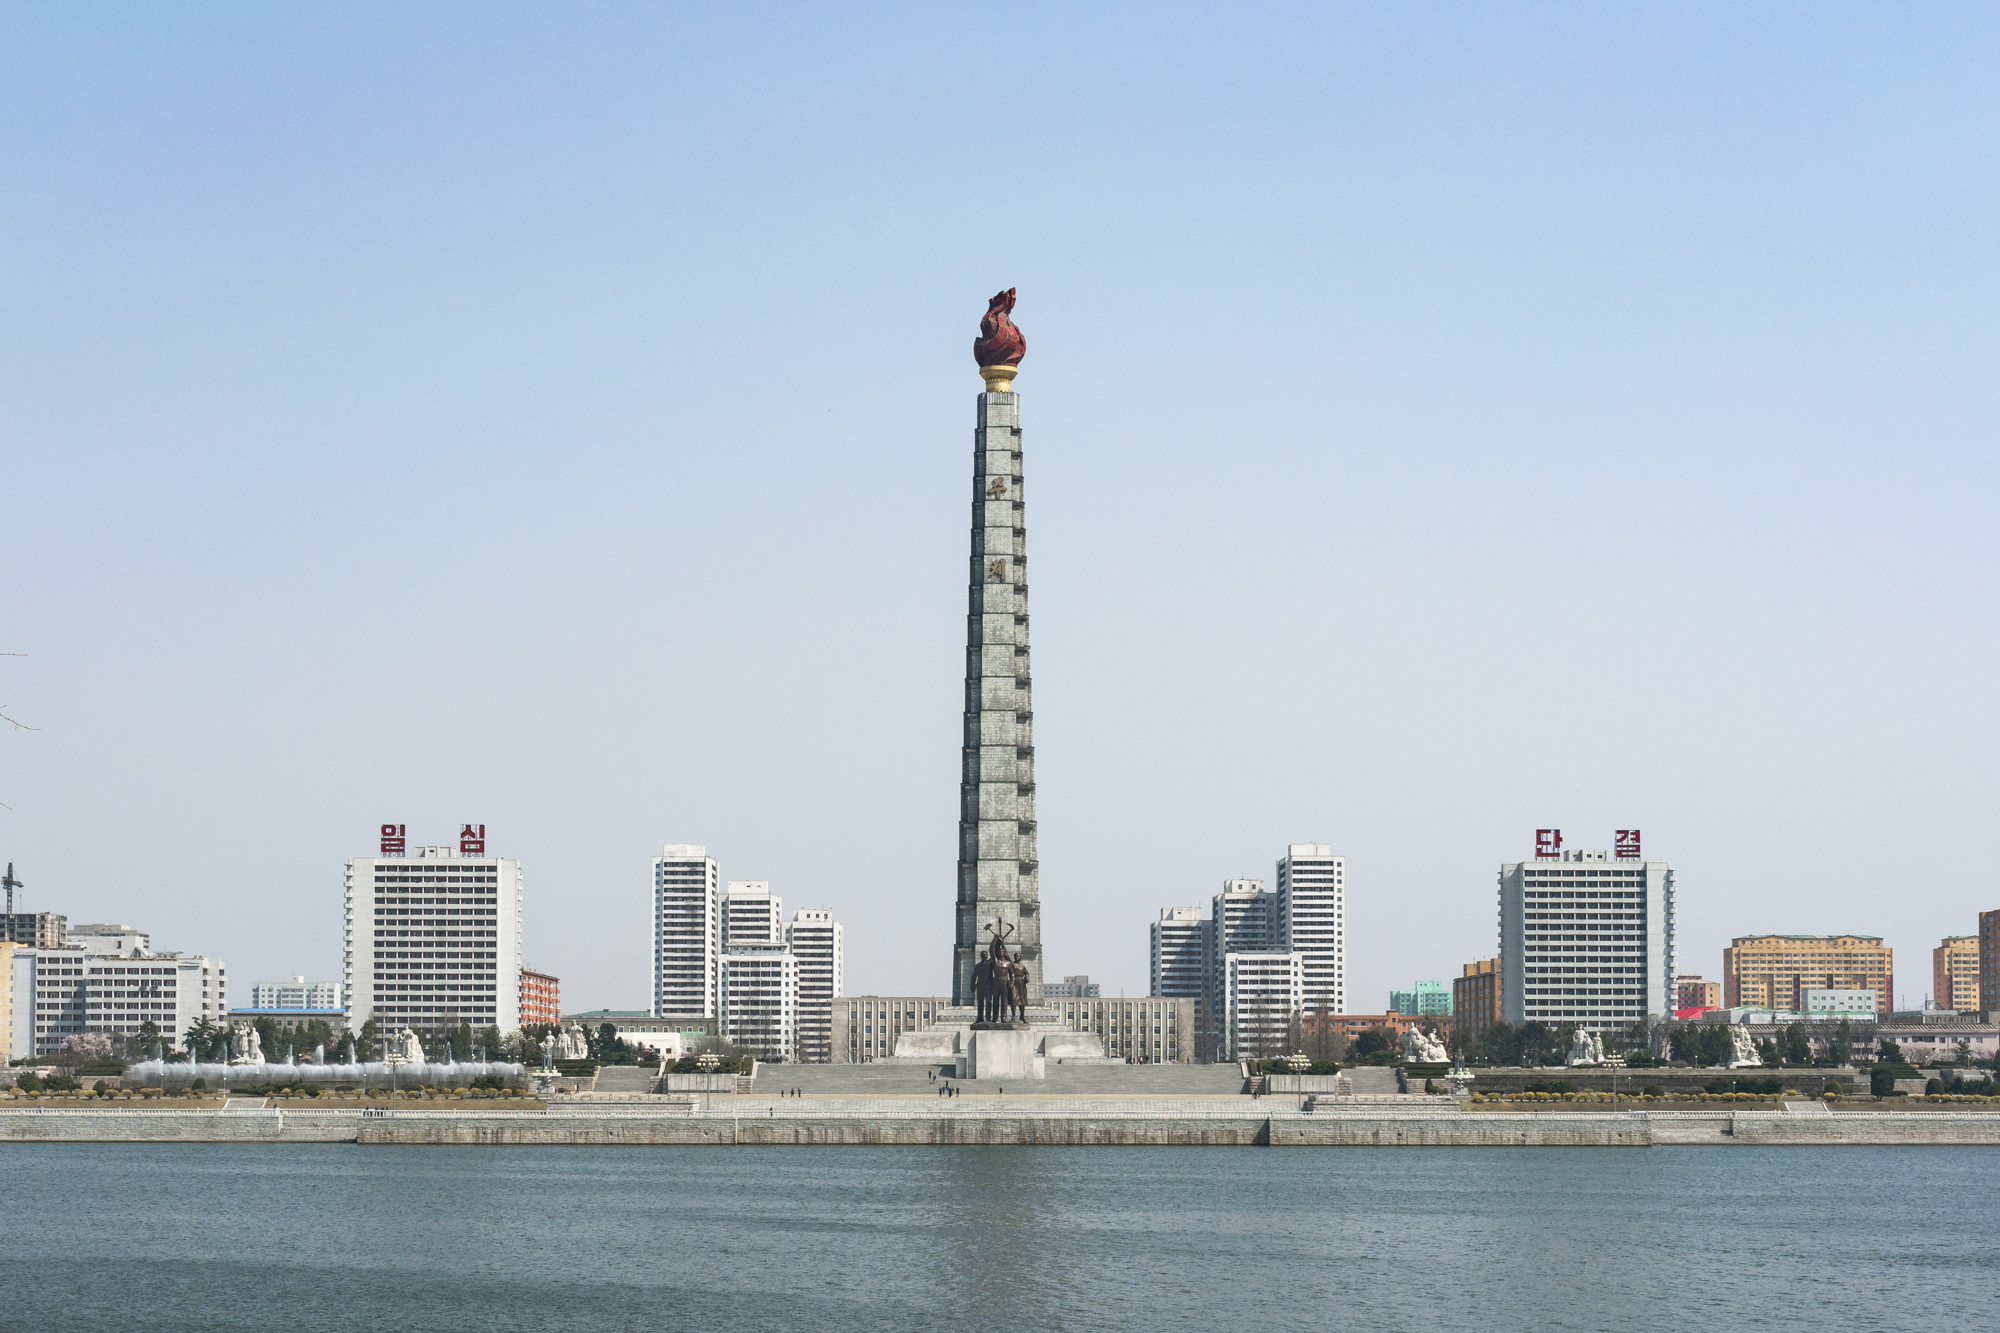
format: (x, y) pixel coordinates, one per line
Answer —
(999, 877)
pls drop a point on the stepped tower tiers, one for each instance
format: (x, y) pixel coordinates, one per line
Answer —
(999, 878)
(999, 881)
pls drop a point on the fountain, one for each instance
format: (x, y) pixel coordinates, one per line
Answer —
(451, 1073)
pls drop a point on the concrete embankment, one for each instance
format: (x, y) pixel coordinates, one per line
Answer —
(806, 1130)
(176, 1127)
(1356, 1127)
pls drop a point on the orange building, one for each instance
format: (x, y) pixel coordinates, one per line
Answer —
(1475, 999)
(1776, 971)
(541, 998)
(1691, 992)
(1346, 1027)
(1955, 973)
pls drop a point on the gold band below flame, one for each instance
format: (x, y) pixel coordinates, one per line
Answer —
(999, 379)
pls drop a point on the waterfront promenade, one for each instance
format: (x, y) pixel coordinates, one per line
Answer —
(1071, 1121)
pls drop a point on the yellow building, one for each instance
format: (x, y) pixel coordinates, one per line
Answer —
(1776, 971)
(1955, 973)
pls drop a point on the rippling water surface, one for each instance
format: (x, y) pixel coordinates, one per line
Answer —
(311, 1237)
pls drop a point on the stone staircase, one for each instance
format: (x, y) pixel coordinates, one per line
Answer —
(1379, 1080)
(1065, 1080)
(625, 1078)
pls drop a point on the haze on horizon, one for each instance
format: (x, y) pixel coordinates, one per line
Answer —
(1439, 424)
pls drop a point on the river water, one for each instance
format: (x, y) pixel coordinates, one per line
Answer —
(311, 1237)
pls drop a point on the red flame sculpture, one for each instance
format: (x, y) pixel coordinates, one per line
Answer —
(999, 342)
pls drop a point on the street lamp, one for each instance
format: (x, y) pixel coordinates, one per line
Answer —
(395, 1060)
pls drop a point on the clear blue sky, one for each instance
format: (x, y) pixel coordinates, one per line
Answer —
(1441, 423)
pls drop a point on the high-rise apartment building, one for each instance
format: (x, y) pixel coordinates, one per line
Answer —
(433, 937)
(814, 938)
(1775, 971)
(1475, 1000)
(751, 914)
(687, 932)
(541, 999)
(758, 988)
(1304, 915)
(1585, 938)
(1243, 918)
(1071, 988)
(1989, 961)
(1955, 973)
(298, 993)
(1312, 917)
(1177, 944)
(35, 930)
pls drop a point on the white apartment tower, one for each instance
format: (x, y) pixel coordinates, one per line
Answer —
(759, 989)
(1587, 938)
(433, 938)
(750, 914)
(1312, 899)
(1262, 991)
(687, 932)
(1178, 944)
(814, 940)
(1241, 919)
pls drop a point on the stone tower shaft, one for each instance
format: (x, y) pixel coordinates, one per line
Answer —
(999, 877)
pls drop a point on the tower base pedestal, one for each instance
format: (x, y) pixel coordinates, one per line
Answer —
(1002, 1053)
(957, 1037)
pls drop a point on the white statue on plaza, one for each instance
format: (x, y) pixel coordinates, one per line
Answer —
(1744, 1055)
(246, 1046)
(1585, 1048)
(1663, 1042)
(1421, 1048)
(572, 1045)
(409, 1046)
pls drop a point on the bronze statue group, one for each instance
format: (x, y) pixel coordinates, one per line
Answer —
(1000, 982)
